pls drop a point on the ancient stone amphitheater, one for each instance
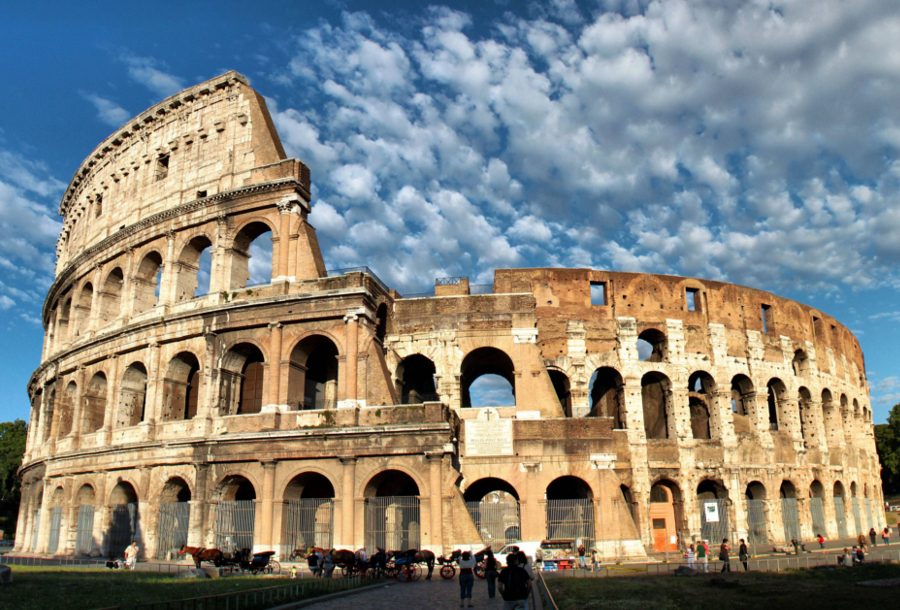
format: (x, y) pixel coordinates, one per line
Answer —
(176, 404)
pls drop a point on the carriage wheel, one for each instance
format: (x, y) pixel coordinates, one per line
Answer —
(415, 572)
(403, 574)
(274, 567)
(447, 571)
(479, 570)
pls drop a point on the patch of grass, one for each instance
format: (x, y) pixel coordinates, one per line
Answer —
(43, 588)
(799, 590)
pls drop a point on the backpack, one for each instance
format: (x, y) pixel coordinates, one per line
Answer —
(516, 584)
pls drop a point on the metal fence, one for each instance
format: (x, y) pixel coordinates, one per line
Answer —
(790, 516)
(856, 519)
(571, 519)
(174, 523)
(122, 528)
(309, 522)
(55, 525)
(840, 515)
(392, 523)
(84, 535)
(714, 531)
(498, 523)
(869, 512)
(817, 512)
(235, 524)
(757, 530)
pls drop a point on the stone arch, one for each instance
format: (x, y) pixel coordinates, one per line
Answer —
(652, 345)
(313, 377)
(242, 377)
(838, 489)
(569, 487)
(246, 236)
(67, 410)
(666, 514)
(175, 489)
(236, 487)
(181, 387)
(309, 484)
(147, 281)
(381, 322)
(755, 491)
(391, 482)
(656, 398)
(62, 317)
(392, 511)
(82, 315)
(701, 393)
(831, 416)
(787, 489)
(308, 517)
(485, 361)
(94, 403)
(123, 492)
(194, 268)
(757, 513)
(607, 392)
(478, 490)
(415, 380)
(111, 296)
(776, 396)
(235, 526)
(816, 489)
(563, 389)
(800, 363)
(49, 413)
(86, 495)
(493, 505)
(743, 401)
(709, 489)
(132, 396)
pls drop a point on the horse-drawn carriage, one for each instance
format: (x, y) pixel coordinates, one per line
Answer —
(449, 564)
(239, 561)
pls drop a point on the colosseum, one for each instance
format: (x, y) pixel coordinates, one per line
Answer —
(177, 404)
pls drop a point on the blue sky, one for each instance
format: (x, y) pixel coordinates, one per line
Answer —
(750, 142)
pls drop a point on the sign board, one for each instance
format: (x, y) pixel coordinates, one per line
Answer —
(489, 434)
(673, 539)
(711, 511)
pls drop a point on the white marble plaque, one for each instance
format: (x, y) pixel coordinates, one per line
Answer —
(489, 434)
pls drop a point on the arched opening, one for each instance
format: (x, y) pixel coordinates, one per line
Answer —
(665, 515)
(242, 376)
(57, 500)
(776, 393)
(743, 399)
(656, 400)
(630, 506)
(381, 322)
(49, 414)
(82, 313)
(834, 429)
(854, 504)
(147, 282)
(755, 498)
(840, 511)
(560, 383)
(94, 404)
(392, 512)
(132, 396)
(111, 296)
(493, 505)
(181, 388)
(62, 318)
(123, 520)
(800, 363)
(308, 512)
(570, 511)
(251, 259)
(790, 513)
(313, 378)
(487, 379)
(807, 416)
(701, 389)
(194, 269)
(817, 508)
(713, 500)
(174, 517)
(36, 508)
(652, 346)
(235, 514)
(84, 534)
(67, 409)
(415, 380)
(608, 396)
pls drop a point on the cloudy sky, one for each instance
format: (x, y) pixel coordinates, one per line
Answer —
(753, 142)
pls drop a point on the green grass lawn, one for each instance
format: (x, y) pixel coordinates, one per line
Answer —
(805, 589)
(43, 588)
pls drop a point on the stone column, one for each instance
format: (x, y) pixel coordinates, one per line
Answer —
(284, 242)
(267, 504)
(112, 402)
(348, 486)
(721, 417)
(22, 521)
(534, 507)
(274, 400)
(219, 266)
(154, 395)
(352, 346)
(95, 300)
(197, 523)
(170, 273)
(78, 407)
(435, 462)
(126, 302)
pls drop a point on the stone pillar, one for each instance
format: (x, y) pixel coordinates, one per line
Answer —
(22, 521)
(219, 266)
(78, 407)
(348, 517)
(154, 395)
(95, 300)
(267, 504)
(197, 523)
(274, 399)
(352, 347)
(721, 419)
(534, 507)
(284, 242)
(435, 462)
(112, 402)
(126, 302)
(170, 273)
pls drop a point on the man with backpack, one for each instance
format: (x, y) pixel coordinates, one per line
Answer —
(514, 584)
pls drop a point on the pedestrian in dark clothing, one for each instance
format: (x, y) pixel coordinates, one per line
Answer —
(796, 544)
(313, 563)
(860, 556)
(514, 584)
(581, 557)
(491, 574)
(723, 555)
(744, 555)
(873, 536)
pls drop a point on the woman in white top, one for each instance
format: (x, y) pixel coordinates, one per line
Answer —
(466, 578)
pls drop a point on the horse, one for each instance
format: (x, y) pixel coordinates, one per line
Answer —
(339, 557)
(198, 554)
(416, 556)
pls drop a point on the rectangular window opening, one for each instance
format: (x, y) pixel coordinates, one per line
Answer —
(767, 318)
(98, 206)
(598, 293)
(201, 194)
(162, 167)
(693, 299)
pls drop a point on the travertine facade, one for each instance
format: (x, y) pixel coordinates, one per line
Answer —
(325, 408)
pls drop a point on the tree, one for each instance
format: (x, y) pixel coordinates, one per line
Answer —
(887, 442)
(12, 447)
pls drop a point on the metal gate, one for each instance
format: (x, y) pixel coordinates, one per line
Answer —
(856, 519)
(757, 532)
(174, 522)
(817, 512)
(571, 520)
(713, 522)
(840, 516)
(869, 512)
(498, 523)
(308, 522)
(122, 528)
(84, 536)
(235, 524)
(392, 523)
(790, 516)
(36, 529)
(55, 525)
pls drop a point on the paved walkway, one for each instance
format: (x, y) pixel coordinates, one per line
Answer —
(420, 595)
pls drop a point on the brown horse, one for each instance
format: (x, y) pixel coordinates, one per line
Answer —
(426, 557)
(213, 556)
(339, 557)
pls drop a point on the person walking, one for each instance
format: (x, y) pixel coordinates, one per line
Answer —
(312, 560)
(328, 566)
(491, 573)
(796, 544)
(689, 555)
(886, 535)
(861, 542)
(723, 555)
(514, 585)
(873, 536)
(466, 578)
(131, 554)
(821, 540)
(703, 555)
(744, 555)
(595, 560)
(581, 563)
